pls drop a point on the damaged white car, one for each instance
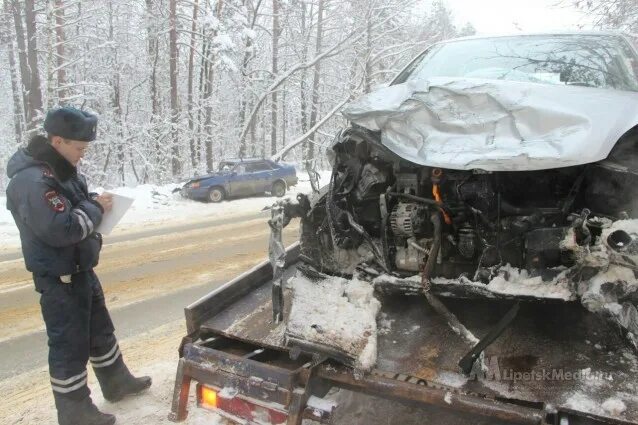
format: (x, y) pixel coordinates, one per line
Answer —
(497, 167)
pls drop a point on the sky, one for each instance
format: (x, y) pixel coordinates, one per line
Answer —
(506, 16)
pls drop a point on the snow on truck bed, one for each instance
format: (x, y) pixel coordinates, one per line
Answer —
(336, 313)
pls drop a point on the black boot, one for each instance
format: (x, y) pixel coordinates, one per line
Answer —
(117, 382)
(80, 412)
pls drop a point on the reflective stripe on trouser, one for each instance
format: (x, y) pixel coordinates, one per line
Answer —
(79, 327)
(69, 385)
(107, 359)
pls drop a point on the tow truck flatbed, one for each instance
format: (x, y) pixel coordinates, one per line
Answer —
(537, 372)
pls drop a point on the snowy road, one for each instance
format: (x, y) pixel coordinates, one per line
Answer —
(148, 279)
(136, 266)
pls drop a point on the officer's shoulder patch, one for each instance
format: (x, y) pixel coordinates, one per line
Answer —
(46, 172)
(55, 202)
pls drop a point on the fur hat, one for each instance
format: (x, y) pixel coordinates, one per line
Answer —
(71, 123)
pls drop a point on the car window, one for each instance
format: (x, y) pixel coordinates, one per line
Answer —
(603, 61)
(225, 166)
(240, 169)
(257, 166)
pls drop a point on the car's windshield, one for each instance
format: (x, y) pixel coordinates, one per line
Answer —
(226, 166)
(603, 61)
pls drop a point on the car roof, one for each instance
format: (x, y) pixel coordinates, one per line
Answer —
(621, 34)
(533, 34)
(244, 160)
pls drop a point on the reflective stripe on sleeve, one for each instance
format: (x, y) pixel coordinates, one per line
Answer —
(85, 222)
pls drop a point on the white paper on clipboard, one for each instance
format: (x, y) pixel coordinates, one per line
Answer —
(121, 204)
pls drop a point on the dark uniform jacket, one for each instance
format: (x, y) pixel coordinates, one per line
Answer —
(53, 210)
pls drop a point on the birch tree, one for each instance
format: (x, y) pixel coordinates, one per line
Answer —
(191, 72)
(276, 32)
(6, 39)
(316, 77)
(181, 85)
(33, 87)
(175, 160)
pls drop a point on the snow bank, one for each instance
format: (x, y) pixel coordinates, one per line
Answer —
(157, 205)
(337, 313)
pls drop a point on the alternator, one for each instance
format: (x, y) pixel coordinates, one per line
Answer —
(407, 220)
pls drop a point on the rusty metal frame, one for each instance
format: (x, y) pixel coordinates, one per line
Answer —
(423, 394)
(196, 360)
(213, 303)
(292, 387)
(288, 387)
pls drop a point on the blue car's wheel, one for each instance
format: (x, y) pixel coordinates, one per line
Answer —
(216, 194)
(278, 189)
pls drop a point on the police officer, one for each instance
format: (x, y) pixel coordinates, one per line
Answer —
(57, 218)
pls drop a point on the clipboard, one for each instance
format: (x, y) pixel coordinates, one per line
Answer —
(121, 204)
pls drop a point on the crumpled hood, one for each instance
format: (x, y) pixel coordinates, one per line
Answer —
(494, 125)
(19, 161)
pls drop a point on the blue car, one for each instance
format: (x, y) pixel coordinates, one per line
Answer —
(239, 178)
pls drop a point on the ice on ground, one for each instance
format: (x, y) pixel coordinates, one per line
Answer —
(337, 313)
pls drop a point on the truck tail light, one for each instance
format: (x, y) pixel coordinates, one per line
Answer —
(229, 405)
(209, 397)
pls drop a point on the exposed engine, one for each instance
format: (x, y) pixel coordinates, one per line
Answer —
(563, 234)
(396, 213)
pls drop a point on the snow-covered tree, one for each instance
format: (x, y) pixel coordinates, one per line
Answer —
(616, 14)
(181, 84)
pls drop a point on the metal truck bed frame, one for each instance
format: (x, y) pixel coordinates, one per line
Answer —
(553, 359)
